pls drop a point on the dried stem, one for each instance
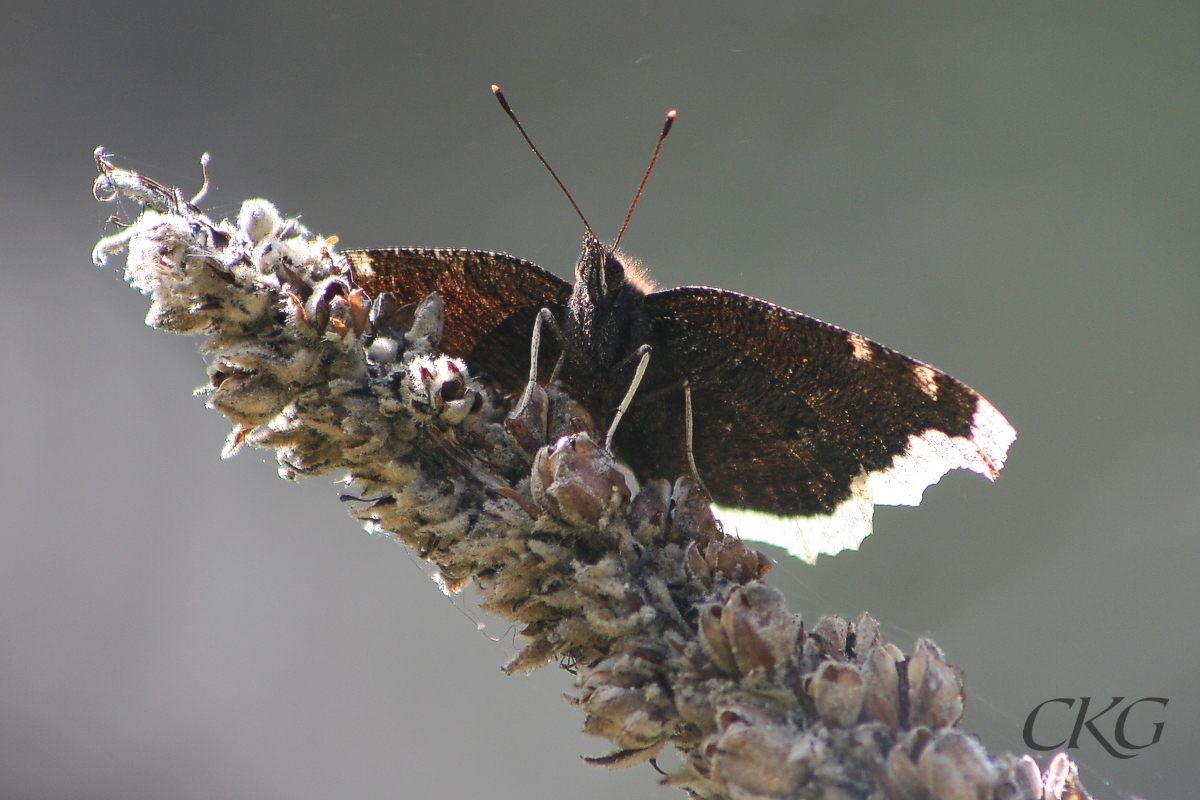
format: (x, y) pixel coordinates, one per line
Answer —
(673, 636)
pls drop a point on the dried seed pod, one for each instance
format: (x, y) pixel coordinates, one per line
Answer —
(837, 691)
(429, 319)
(317, 308)
(578, 482)
(648, 513)
(714, 641)
(881, 684)
(866, 636)
(389, 318)
(1061, 780)
(761, 632)
(826, 640)
(243, 385)
(731, 558)
(901, 779)
(695, 567)
(936, 690)
(1020, 779)
(755, 758)
(527, 422)
(626, 704)
(259, 220)
(954, 766)
(692, 519)
(383, 350)
(359, 308)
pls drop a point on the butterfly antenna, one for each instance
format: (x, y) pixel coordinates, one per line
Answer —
(508, 110)
(657, 148)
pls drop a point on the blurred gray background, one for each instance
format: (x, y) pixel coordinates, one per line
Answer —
(1008, 191)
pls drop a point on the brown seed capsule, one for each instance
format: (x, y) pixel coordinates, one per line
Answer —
(881, 684)
(577, 481)
(1061, 781)
(648, 514)
(826, 640)
(866, 636)
(1020, 779)
(527, 421)
(625, 703)
(428, 320)
(715, 642)
(762, 633)
(754, 758)
(691, 515)
(901, 780)
(695, 567)
(389, 318)
(936, 690)
(730, 557)
(954, 766)
(837, 691)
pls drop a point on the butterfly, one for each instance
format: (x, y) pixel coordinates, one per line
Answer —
(798, 427)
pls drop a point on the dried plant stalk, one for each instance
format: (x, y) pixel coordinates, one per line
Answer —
(673, 635)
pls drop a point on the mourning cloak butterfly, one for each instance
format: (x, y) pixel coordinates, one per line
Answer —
(799, 427)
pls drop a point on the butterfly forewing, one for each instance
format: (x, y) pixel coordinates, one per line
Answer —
(791, 411)
(491, 300)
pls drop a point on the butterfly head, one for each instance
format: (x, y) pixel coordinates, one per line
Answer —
(602, 271)
(599, 271)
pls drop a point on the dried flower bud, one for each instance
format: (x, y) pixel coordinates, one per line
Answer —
(866, 636)
(1061, 781)
(248, 384)
(936, 690)
(248, 399)
(428, 320)
(258, 219)
(527, 422)
(837, 692)
(881, 684)
(648, 513)
(730, 557)
(578, 482)
(1020, 779)
(626, 704)
(691, 515)
(389, 318)
(954, 766)
(901, 779)
(753, 758)
(714, 641)
(760, 631)
(383, 350)
(827, 639)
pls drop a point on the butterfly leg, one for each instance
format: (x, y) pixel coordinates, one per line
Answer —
(689, 427)
(643, 354)
(535, 346)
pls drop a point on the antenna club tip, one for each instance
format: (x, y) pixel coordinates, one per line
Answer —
(495, 89)
(671, 114)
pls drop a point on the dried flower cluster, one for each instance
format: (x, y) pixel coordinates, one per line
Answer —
(673, 636)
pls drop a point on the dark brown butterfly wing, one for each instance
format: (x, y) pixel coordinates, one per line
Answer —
(794, 416)
(491, 302)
